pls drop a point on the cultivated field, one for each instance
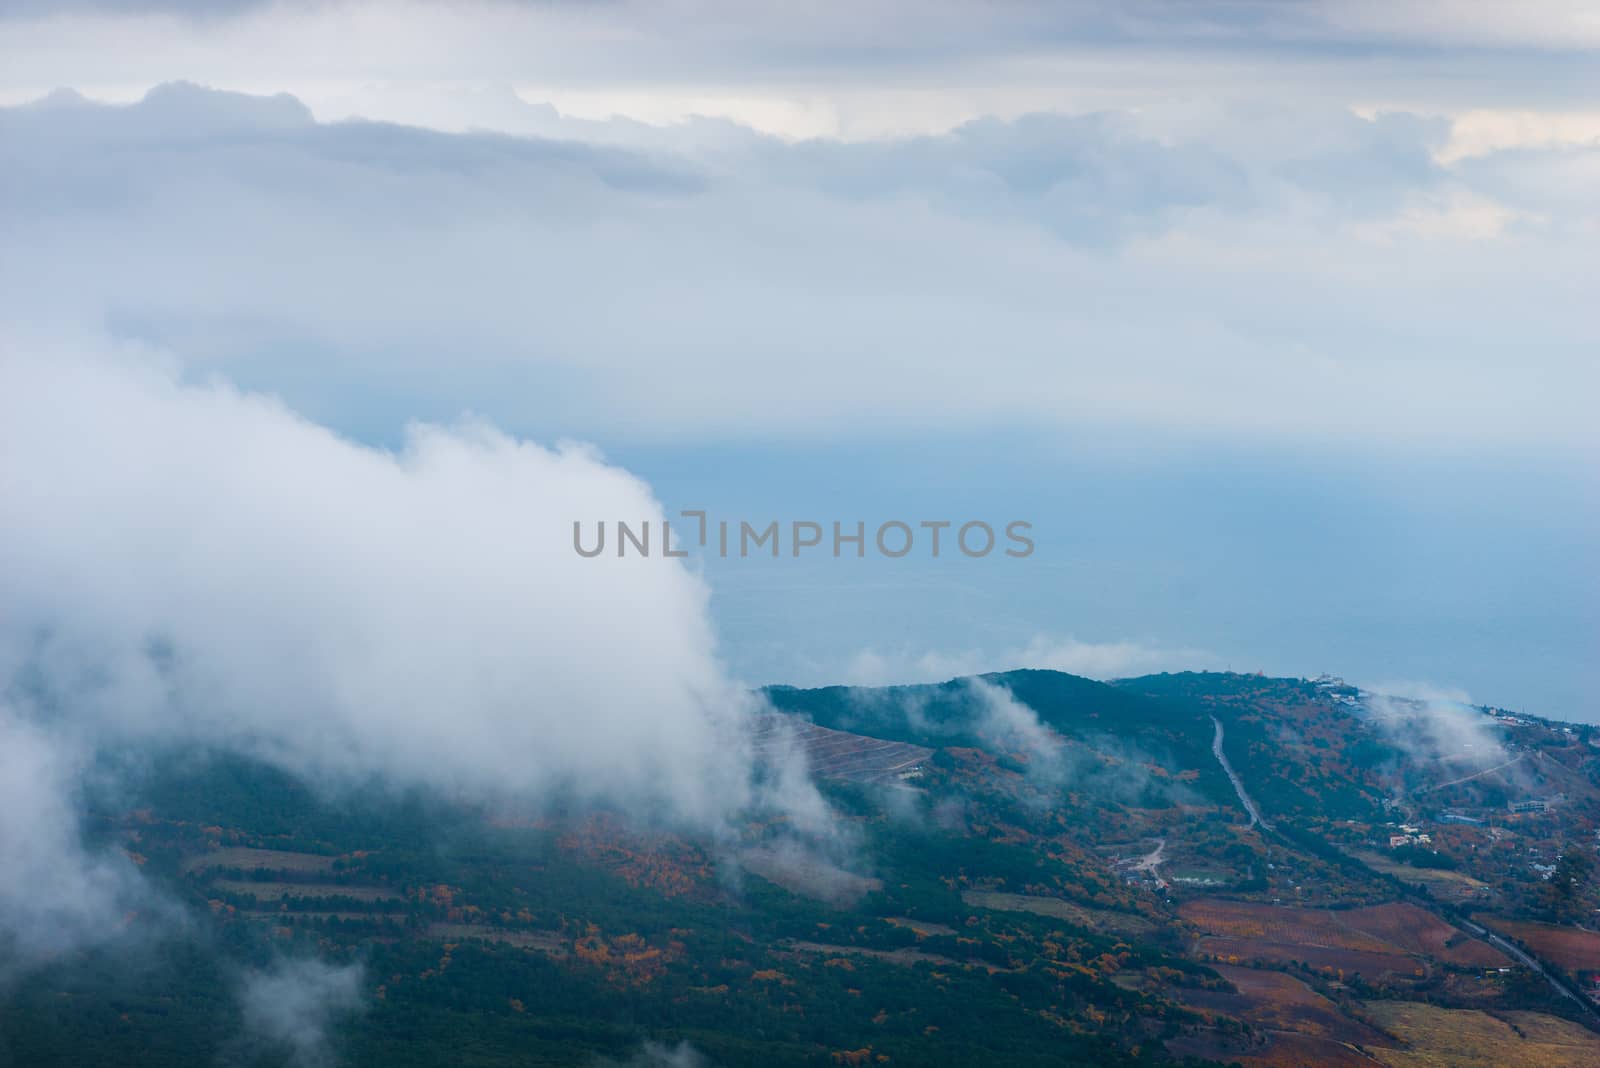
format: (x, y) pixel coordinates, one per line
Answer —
(1276, 923)
(1371, 940)
(1567, 947)
(1399, 1034)
(283, 915)
(921, 927)
(1416, 930)
(274, 891)
(551, 942)
(1347, 962)
(840, 754)
(260, 860)
(903, 957)
(1100, 920)
(1301, 1051)
(1273, 1050)
(1279, 1002)
(1445, 885)
(1467, 1038)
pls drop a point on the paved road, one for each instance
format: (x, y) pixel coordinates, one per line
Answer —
(1420, 900)
(1527, 959)
(1151, 862)
(1233, 777)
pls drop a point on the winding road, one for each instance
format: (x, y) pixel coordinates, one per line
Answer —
(1421, 900)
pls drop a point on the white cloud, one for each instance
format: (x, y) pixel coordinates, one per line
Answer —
(1433, 724)
(819, 70)
(291, 1005)
(1484, 131)
(656, 291)
(55, 893)
(1095, 660)
(874, 667)
(189, 562)
(1453, 216)
(661, 1055)
(1013, 727)
(1111, 660)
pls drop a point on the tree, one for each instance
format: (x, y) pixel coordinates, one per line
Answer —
(1564, 895)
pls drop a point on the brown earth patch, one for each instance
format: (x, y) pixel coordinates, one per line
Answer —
(1275, 1050)
(1343, 962)
(1416, 930)
(1566, 947)
(1432, 1037)
(1371, 940)
(1279, 1002)
(1247, 920)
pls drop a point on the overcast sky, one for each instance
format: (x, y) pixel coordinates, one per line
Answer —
(1275, 319)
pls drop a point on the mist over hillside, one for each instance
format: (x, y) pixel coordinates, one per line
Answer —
(661, 534)
(1024, 861)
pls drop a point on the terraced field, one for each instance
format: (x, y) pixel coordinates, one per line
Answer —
(1566, 947)
(260, 860)
(841, 755)
(553, 943)
(1431, 1037)
(1365, 963)
(1394, 939)
(1376, 928)
(1281, 924)
(1278, 1002)
(1101, 920)
(1298, 1027)
(272, 891)
(921, 927)
(1417, 930)
(903, 957)
(1445, 885)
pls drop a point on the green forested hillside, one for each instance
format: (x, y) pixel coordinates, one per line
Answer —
(1090, 894)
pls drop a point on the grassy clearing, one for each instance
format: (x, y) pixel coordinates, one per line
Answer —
(1568, 947)
(551, 942)
(260, 860)
(1100, 920)
(274, 891)
(1467, 1038)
